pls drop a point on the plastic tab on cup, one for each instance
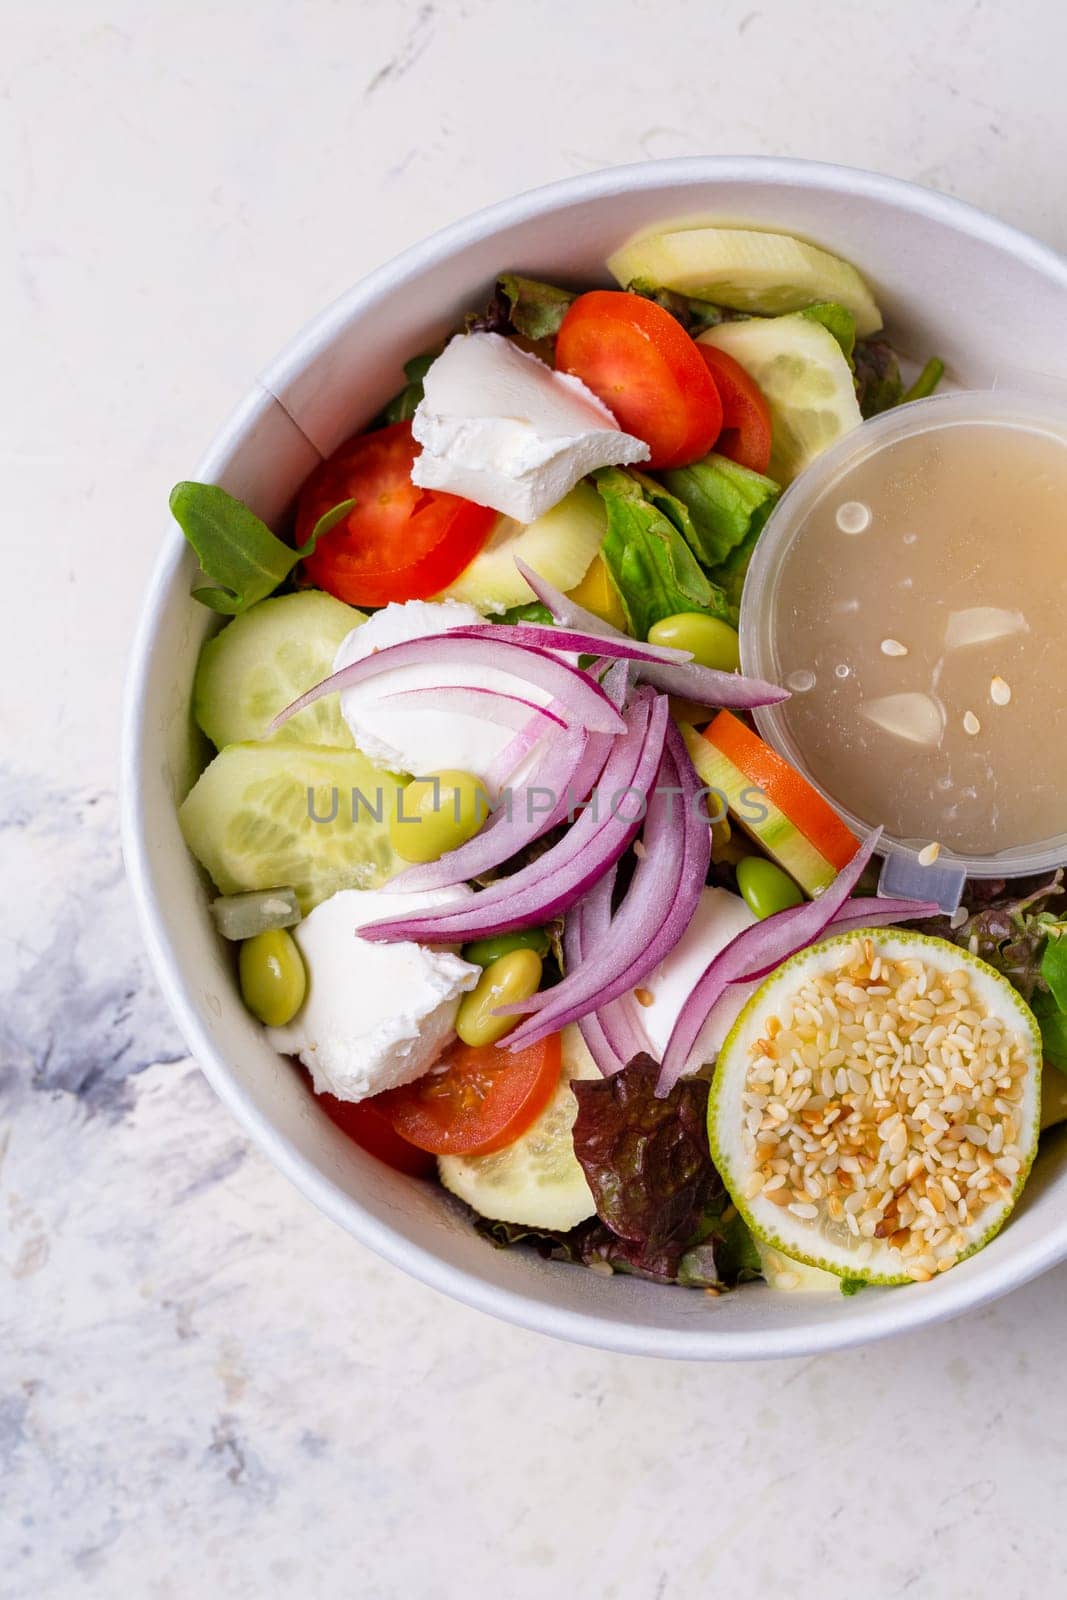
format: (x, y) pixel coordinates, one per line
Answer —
(905, 878)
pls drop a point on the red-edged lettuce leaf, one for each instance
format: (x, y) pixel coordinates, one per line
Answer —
(653, 1182)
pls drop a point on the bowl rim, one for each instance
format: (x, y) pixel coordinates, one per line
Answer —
(884, 1316)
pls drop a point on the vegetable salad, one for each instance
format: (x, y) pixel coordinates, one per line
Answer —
(507, 869)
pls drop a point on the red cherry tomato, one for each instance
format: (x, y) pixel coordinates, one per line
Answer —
(398, 542)
(746, 418)
(646, 369)
(367, 1125)
(476, 1099)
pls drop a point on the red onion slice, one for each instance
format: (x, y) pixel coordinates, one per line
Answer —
(613, 1033)
(876, 911)
(552, 884)
(760, 948)
(671, 676)
(656, 910)
(583, 696)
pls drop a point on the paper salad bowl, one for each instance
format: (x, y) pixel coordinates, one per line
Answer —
(950, 279)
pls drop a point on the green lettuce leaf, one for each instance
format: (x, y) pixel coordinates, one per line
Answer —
(839, 321)
(727, 504)
(524, 306)
(694, 315)
(656, 1190)
(647, 553)
(236, 550)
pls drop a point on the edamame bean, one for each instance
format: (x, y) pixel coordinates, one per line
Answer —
(515, 976)
(273, 979)
(765, 887)
(483, 952)
(713, 643)
(436, 814)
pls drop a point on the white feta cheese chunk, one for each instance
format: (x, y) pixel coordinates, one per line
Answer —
(501, 428)
(401, 739)
(376, 1015)
(719, 917)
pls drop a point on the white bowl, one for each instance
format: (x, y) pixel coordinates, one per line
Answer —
(950, 280)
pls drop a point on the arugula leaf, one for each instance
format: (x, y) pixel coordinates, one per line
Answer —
(727, 503)
(694, 315)
(524, 306)
(531, 611)
(647, 554)
(1054, 967)
(928, 379)
(403, 405)
(236, 550)
(879, 386)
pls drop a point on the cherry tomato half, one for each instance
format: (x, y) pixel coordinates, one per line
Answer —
(476, 1099)
(367, 1125)
(398, 542)
(646, 369)
(746, 418)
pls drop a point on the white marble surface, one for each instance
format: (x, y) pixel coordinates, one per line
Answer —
(205, 1388)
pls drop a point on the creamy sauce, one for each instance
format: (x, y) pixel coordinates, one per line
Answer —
(926, 641)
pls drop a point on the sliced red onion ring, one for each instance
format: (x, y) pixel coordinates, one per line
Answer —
(656, 910)
(759, 948)
(560, 680)
(675, 676)
(488, 705)
(552, 884)
(875, 911)
(613, 1033)
(509, 828)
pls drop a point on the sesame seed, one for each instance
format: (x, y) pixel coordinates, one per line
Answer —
(971, 723)
(929, 854)
(893, 647)
(644, 997)
(999, 692)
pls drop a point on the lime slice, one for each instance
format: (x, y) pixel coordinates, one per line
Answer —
(747, 270)
(263, 660)
(536, 1181)
(876, 1108)
(805, 379)
(314, 819)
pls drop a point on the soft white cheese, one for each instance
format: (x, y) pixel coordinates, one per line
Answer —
(501, 428)
(401, 739)
(376, 1015)
(720, 916)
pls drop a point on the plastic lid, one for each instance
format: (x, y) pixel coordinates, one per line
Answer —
(758, 656)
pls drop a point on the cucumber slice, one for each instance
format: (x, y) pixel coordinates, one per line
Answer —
(560, 545)
(768, 273)
(263, 660)
(805, 379)
(759, 817)
(251, 823)
(537, 1180)
(902, 1149)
